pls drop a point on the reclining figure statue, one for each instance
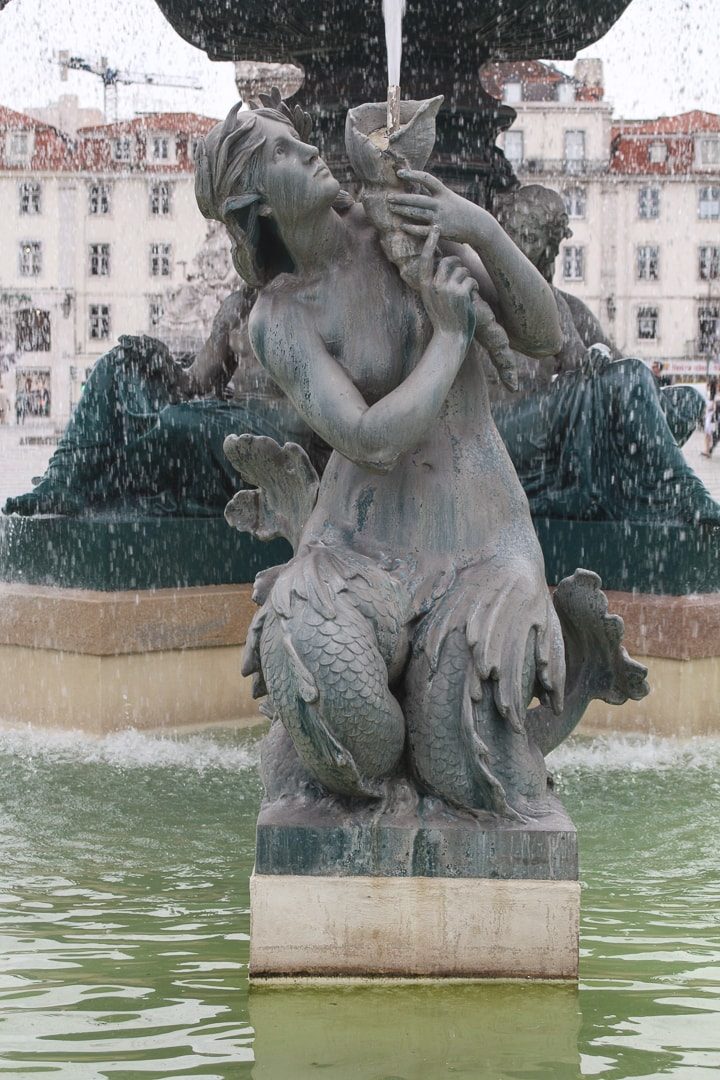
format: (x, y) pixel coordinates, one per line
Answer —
(601, 441)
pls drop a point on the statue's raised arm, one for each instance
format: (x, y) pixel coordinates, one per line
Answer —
(287, 340)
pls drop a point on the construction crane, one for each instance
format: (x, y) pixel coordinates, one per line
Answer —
(113, 77)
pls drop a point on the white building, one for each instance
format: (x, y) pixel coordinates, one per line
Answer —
(95, 231)
(644, 204)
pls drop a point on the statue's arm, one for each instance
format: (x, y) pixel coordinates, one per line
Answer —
(517, 292)
(288, 344)
(587, 324)
(215, 363)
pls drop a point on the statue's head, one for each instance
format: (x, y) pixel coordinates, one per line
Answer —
(257, 174)
(536, 219)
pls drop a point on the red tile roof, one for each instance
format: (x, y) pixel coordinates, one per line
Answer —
(91, 149)
(690, 123)
(632, 139)
(496, 73)
(52, 150)
(184, 123)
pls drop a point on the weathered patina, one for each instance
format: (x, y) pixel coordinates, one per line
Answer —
(402, 646)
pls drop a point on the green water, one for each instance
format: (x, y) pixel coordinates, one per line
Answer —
(124, 923)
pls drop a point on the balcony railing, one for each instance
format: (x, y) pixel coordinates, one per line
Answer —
(560, 166)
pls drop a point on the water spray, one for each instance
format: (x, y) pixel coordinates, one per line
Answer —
(393, 11)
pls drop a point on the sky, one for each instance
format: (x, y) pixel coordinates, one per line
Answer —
(660, 57)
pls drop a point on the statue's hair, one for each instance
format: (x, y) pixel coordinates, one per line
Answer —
(228, 185)
(541, 205)
(227, 189)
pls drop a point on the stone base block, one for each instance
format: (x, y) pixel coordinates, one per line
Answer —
(102, 661)
(100, 694)
(387, 927)
(336, 837)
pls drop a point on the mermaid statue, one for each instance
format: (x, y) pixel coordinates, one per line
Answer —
(411, 643)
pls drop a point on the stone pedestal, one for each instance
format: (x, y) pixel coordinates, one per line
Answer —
(108, 552)
(102, 661)
(371, 927)
(653, 558)
(418, 892)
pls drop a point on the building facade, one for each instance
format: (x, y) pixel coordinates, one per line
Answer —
(643, 198)
(97, 230)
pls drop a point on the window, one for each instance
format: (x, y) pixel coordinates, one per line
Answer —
(709, 328)
(573, 263)
(32, 330)
(574, 151)
(647, 262)
(512, 93)
(30, 258)
(29, 197)
(514, 147)
(709, 263)
(99, 199)
(161, 148)
(99, 321)
(122, 149)
(99, 260)
(658, 152)
(707, 151)
(709, 203)
(17, 147)
(647, 324)
(156, 310)
(160, 194)
(160, 260)
(649, 202)
(575, 202)
(32, 391)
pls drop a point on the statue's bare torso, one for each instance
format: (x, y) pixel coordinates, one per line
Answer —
(375, 328)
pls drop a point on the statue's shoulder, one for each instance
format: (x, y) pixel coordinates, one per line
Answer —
(280, 304)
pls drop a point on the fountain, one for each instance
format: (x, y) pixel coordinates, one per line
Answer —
(126, 928)
(406, 795)
(340, 52)
(147, 939)
(133, 501)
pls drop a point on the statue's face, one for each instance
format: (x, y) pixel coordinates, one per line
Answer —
(534, 234)
(295, 179)
(528, 233)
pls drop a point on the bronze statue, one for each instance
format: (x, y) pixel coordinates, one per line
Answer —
(600, 442)
(402, 645)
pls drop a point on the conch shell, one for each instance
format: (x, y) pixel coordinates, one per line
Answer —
(375, 159)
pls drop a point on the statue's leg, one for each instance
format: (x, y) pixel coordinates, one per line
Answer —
(488, 646)
(93, 461)
(653, 480)
(325, 660)
(684, 408)
(281, 770)
(461, 748)
(82, 457)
